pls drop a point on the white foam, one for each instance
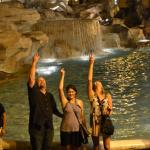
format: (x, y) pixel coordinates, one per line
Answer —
(47, 60)
(47, 70)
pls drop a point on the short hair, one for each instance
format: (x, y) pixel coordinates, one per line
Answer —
(71, 86)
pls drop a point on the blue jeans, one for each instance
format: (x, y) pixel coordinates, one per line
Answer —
(41, 139)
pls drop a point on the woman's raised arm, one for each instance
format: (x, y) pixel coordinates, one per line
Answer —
(90, 76)
(62, 97)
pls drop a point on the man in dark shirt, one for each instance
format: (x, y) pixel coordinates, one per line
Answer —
(2, 120)
(42, 107)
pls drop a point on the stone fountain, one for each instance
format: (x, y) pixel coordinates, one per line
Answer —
(70, 37)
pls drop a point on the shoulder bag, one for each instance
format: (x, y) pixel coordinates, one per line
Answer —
(84, 133)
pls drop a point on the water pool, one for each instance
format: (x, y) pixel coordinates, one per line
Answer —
(125, 74)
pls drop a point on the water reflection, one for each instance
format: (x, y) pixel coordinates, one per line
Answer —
(47, 60)
(126, 76)
(47, 66)
(47, 70)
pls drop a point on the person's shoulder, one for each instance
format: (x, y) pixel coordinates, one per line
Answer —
(107, 94)
(80, 102)
(50, 95)
(92, 96)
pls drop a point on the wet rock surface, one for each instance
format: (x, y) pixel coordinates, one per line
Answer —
(22, 28)
(5, 76)
(15, 46)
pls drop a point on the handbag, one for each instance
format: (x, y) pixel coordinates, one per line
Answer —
(107, 125)
(84, 133)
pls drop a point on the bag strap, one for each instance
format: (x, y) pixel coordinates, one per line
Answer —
(81, 124)
(99, 100)
(76, 116)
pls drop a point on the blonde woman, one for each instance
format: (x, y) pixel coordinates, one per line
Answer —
(101, 108)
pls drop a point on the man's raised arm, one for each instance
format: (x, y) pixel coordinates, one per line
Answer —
(31, 77)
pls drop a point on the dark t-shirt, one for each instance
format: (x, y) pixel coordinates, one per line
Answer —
(42, 106)
(2, 110)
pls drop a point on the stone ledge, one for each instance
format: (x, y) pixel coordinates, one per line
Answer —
(137, 144)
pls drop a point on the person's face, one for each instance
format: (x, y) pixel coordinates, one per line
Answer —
(71, 94)
(98, 86)
(41, 83)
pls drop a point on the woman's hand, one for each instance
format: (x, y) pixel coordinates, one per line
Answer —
(62, 71)
(91, 58)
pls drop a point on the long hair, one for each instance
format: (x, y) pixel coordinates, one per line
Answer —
(94, 88)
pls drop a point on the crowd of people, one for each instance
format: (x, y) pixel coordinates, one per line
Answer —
(42, 106)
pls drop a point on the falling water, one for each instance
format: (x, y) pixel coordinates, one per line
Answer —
(70, 38)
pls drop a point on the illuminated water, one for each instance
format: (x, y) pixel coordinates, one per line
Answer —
(125, 74)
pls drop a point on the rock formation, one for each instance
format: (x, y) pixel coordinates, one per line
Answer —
(20, 35)
(15, 45)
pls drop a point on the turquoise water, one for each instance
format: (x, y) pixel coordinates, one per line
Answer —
(126, 74)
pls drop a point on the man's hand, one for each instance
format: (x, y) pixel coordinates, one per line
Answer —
(31, 77)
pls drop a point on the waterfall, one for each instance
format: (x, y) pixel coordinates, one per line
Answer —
(70, 37)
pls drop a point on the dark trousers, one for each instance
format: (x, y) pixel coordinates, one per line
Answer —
(41, 139)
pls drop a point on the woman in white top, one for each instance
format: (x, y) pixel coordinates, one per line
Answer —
(101, 107)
